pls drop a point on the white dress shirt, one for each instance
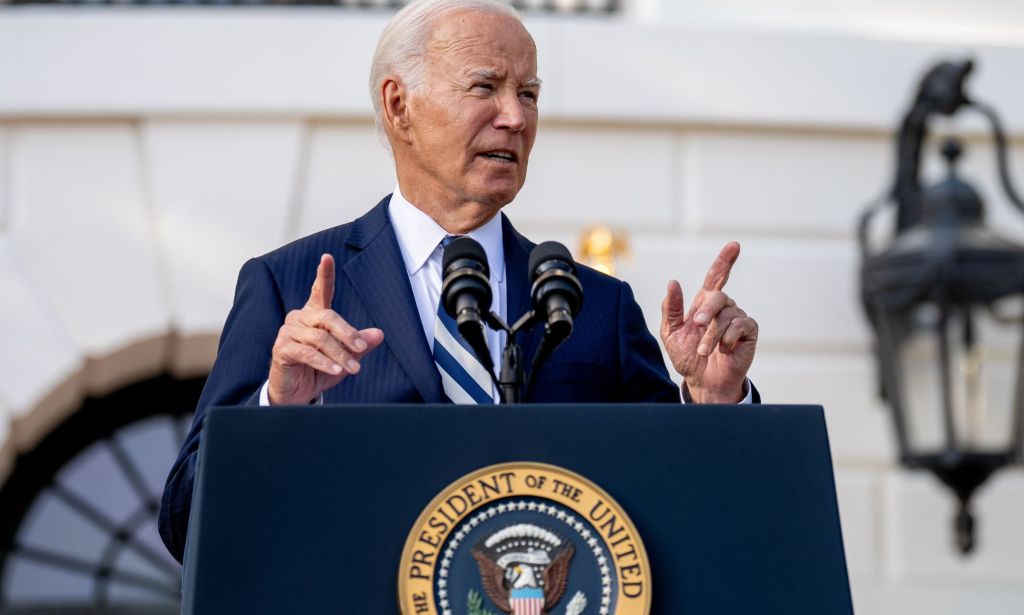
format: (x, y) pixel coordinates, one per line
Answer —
(419, 239)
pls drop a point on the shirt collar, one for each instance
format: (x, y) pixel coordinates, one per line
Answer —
(419, 235)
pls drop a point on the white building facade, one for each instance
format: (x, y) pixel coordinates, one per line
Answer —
(146, 153)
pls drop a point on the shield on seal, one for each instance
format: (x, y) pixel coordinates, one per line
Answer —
(527, 601)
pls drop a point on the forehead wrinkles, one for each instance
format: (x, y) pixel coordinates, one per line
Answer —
(466, 60)
(493, 38)
(443, 46)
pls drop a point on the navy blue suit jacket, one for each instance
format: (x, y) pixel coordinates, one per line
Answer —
(611, 356)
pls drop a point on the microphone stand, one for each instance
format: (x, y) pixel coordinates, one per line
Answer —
(512, 376)
(510, 381)
(557, 297)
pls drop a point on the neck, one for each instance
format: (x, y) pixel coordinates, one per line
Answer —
(460, 222)
(456, 217)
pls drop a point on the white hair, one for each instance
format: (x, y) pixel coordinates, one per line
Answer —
(401, 50)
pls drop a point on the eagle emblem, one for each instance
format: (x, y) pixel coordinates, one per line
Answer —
(524, 568)
(524, 538)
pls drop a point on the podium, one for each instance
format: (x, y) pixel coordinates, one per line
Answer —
(307, 509)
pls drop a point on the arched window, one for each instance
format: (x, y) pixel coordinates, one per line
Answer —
(79, 525)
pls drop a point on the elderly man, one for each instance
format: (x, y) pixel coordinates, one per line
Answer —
(350, 314)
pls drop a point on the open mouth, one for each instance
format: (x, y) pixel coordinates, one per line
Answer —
(501, 156)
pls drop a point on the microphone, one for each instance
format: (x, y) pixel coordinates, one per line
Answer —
(466, 293)
(556, 293)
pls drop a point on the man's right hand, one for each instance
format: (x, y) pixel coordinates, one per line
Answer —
(316, 349)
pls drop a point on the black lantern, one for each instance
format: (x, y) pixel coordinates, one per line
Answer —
(946, 301)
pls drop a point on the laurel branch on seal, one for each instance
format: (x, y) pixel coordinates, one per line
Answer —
(475, 604)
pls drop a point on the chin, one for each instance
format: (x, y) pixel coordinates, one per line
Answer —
(496, 202)
(498, 197)
(489, 207)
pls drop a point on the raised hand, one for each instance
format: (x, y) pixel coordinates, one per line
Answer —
(711, 346)
(316, 349)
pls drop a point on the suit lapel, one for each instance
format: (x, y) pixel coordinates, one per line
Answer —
(378, 274)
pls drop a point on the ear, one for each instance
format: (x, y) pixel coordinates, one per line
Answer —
(395, 106)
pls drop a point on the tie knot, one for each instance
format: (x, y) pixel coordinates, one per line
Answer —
(448, 239)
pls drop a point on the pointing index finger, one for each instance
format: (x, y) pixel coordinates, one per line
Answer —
(322, 294)
(718, 273)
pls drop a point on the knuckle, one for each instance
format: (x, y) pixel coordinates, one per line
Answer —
(280, 350)
(277, 353)
(730, 315)
(335, 321)
(712, 303)
(319, 338)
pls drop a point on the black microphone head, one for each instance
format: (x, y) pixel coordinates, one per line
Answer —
(542, 256)
(466, 283)
(553, 274)
(467, 249)
(557, 296)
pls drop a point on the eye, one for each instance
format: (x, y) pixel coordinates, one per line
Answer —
(529, 94)
(483, 86)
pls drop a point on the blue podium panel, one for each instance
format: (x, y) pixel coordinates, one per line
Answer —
(306, 510)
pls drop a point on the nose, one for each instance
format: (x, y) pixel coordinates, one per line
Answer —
(511, 115)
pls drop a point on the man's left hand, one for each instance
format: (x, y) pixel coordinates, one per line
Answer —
(712, 345)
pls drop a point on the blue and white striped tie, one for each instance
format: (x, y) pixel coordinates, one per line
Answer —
(464, 378)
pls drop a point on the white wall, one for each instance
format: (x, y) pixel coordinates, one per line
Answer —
(144, 154)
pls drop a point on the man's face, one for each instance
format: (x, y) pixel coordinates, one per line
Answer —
(473, 121)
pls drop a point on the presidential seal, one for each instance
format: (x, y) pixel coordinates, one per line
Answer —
(524, 539)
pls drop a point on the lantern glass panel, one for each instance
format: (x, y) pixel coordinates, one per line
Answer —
(980, 364)
(922, 380)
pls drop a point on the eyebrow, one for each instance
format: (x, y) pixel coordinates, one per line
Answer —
(486, 73)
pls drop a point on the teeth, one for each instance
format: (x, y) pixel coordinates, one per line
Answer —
(499, 155)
